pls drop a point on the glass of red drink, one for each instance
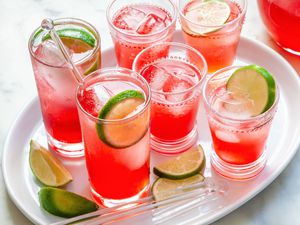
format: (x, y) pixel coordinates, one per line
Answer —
(282, 20)
(117, 145)
(239, 140)
(137, 24)
(217, 43)
(175, 79)
(56, 83)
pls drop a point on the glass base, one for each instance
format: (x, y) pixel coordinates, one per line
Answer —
(114, 202)
(294, 52)
(238, 172)
(65, 149)
(174, 147)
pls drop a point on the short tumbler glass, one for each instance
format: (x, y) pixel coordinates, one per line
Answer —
(218, 44)
(144, 15)
(175, 79)
(239, 143)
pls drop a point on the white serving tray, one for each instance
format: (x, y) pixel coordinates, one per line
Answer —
(282, 144)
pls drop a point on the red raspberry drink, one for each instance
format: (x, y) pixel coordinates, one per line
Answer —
(241, 103)
(175, 83)
(282, 20)
(137, 25)
(56, 83)
(213, 27)
(114, 114)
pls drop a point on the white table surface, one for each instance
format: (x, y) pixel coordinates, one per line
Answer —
(277, 204)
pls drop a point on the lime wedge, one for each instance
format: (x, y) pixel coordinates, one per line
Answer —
(208, 15)
(46, 168)
(63, 203)
(69, 37)
(93, 67)
(121, 135)
(164, 188)
(253, 85)
(185, 165)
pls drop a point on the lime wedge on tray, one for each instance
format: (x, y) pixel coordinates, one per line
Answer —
(164, 188)
(120, 106)
(182, 166)
(63, 203)
(46, 168)
(208, 15)
(252, 84)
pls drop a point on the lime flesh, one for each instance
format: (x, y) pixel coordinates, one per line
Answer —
(182, 166)
(93, 67)
(208, 15)
(164, 188)
(63, 203)
(46, 168)
(252, 84)
(123, 134)
(69, 34)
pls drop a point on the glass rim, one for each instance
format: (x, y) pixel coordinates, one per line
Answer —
(241, 14)
(107, 71)
(174, 18)
(233, 120)
(176, 44)
(61, 21)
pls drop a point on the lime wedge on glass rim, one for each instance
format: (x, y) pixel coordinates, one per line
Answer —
(63, 203)
(252, 84)
(46, 168)
(208, 15)
(164, 188)
(70, 35)
(95, 65)
(79, 41)
(122, 134)
(182, 166)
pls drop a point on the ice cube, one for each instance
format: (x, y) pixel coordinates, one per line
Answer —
(94, 98)
(179, 87)
(102, 93)
(227, 136)
(141, 155)
(129, 18)
(232, 107)
(150, 24)
(156, 76)
(49, 53)
(177, 83)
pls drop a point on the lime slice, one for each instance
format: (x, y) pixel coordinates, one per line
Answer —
(185, 165)
(253, 85)
(123, 134)
(69, 37)
(46, 168)
(208, 15)
(164, 188)
(93, 67)
(63, 203)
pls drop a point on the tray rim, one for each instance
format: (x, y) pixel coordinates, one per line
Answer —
(224, 211)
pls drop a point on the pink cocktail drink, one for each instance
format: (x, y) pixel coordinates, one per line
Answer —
(56, 83)
(239, 139)
(218, 44)
(175, 83)
(135, 25)
(282, 20)
(117, 146)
